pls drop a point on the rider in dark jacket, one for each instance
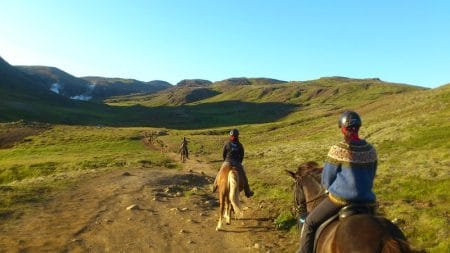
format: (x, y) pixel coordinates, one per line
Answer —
(348, 176)
(233, 155)
(183, 147)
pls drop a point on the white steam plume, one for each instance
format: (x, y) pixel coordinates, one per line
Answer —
(55, 88)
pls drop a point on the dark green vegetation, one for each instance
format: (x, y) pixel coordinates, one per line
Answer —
(282, 124)
(68, 85)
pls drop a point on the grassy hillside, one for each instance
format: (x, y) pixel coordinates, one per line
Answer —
(178, 95)
(282, 125)
(24, 97)
(110, 87)
(325, 91)
(409, 132)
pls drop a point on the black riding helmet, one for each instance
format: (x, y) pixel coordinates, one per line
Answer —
(349, 119)
(234, 132)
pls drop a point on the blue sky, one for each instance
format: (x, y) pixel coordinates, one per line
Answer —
(395, 40)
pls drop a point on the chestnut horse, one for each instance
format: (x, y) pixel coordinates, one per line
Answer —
(229, 186)
(358, 233)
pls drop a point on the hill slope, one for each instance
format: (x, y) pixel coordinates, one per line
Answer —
(58, 81)
(111, 87)
(86, 88)
(409, 130)
(332, 90)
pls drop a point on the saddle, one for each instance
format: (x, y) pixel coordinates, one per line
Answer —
(345, 212)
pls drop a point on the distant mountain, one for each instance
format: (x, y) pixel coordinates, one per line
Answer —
(60, 82)
(87, 88)
(16, 84)
(194, 83)
(110, 87)
(331, 90)
(29, 93)
(23, 96)
(248, 81)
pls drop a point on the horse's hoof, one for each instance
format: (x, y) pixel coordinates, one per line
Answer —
(218, 229)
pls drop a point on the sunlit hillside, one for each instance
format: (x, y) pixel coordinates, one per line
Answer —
(281, 124)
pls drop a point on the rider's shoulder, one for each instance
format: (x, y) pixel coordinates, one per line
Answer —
(361, 152)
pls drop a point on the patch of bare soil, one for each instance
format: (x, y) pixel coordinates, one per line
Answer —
(141, 210)
(14, 133)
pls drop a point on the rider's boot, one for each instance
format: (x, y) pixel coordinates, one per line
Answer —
(247, 191)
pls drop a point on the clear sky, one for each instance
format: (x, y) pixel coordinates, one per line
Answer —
(406, 41)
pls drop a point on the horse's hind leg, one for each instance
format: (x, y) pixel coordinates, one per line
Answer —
(221, 212)
(234, 197)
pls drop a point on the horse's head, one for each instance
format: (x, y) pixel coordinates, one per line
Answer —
(307, 185)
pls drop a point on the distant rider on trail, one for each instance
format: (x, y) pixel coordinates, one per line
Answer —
(184, 148)
(348, 176)
(233, 155)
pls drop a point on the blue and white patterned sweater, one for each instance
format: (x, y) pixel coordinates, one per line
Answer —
(349, 172)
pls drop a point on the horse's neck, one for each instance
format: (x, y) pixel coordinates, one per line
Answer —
(312, 189)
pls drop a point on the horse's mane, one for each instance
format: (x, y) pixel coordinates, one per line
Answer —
(310, 167)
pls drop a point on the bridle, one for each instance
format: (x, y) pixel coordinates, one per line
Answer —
(322, 192)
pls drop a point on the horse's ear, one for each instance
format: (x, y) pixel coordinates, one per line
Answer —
(292, 174)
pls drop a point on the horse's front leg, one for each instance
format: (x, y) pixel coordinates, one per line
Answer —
(228, 213)
(221, 213)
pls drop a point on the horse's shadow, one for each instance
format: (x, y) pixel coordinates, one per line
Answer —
(250, 229)
(257, 219)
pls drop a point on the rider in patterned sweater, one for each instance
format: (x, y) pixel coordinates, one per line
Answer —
(348, 176)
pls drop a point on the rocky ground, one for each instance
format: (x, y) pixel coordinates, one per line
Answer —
(142, 210)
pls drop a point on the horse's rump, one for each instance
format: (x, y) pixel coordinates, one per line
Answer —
(364, 233)
(357, 233)
(222, 178)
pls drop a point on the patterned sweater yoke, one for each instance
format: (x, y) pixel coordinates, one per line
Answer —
(344, 153)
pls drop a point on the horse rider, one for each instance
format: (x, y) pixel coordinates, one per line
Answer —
(233, 155)
(348, 175)
(184, 147)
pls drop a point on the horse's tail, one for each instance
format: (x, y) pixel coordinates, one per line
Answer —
(392, 245)
(233, 186)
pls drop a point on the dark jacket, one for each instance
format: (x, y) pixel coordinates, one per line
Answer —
(233, 151)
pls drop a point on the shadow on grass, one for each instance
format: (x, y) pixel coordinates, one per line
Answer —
(207, 115)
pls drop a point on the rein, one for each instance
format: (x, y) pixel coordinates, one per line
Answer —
(319, 195)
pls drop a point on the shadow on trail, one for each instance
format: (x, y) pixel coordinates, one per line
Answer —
(186, 180)
(199, 116)
(258, 219)
(250, 229)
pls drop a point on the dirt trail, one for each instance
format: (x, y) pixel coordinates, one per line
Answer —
(174, 212)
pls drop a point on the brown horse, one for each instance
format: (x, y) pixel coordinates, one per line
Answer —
(358, 233)
(229, 187)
